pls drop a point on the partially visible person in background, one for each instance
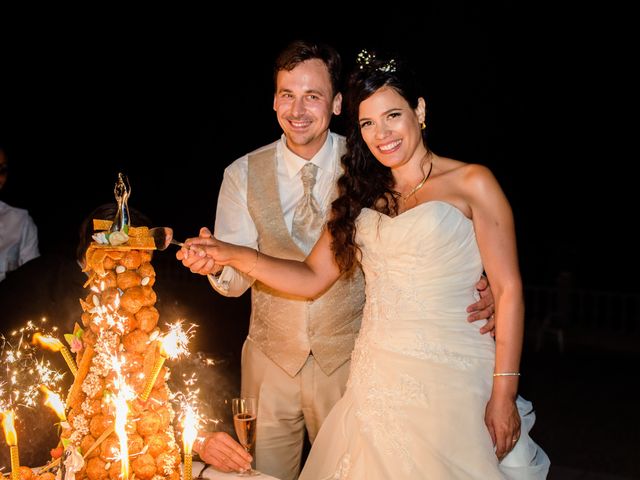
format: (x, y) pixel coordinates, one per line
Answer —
(18, 232)
(51, 285)
(48, 286)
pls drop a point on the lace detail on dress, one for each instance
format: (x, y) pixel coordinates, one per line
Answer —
(381, 411)
(381, 328)
(436, 352)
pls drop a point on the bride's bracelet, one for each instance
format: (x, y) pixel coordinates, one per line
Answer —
(254, 263)
(507, 374)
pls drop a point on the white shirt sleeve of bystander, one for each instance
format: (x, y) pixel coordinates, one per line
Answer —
(28, 241)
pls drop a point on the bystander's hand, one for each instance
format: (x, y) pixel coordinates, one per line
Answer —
(222, 452)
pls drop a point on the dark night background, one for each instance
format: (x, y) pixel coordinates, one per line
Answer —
(527, 90)
(533, 90)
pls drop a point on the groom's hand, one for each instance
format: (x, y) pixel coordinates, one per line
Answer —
(194, 261)
(483, 308)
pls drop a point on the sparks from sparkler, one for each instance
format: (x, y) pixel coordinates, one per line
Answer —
(188, 400)
(172, 345)
(54, 402)
(124, 394)
(8, 425)
(23, 372)
(11, 437)
(190, 419)
(190, 427)
(55, 345)
(186, 388)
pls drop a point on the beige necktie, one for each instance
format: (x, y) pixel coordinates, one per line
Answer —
(307, 217)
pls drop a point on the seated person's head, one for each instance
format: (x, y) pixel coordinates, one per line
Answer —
(106, 211)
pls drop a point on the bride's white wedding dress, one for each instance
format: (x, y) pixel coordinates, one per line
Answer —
(421, 375)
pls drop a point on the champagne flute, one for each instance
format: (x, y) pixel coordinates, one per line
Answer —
(245, 414)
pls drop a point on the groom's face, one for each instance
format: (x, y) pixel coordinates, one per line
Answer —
(304, 102)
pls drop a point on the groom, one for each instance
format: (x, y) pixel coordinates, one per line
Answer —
(296, 357)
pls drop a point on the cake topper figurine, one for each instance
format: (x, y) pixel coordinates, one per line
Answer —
(122, 190)
(72, 462)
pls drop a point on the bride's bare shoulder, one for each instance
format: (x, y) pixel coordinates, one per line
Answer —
(446, 165)
(462, 169)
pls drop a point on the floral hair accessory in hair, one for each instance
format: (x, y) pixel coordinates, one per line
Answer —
(366, 60)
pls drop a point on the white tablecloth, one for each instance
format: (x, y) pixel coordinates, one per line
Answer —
(211, 474)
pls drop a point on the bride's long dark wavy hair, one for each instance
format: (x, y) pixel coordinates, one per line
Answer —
(366, 183)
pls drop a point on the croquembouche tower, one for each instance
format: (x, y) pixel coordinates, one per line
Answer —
(118, 414)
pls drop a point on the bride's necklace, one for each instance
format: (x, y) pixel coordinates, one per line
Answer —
(419, 185)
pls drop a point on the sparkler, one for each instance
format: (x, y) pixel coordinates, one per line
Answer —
(56, 345)
(53, 401)
(122, 410)
(124, 395)
(189, 434)
(190, 418)
(172, 345)
(10, 435)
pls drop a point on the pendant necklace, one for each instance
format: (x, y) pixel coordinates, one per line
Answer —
(418, 186)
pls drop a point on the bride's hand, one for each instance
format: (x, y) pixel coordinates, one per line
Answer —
(197, 263)
(503, 421)
(222, 253)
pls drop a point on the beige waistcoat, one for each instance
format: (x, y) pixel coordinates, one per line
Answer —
(287, 328)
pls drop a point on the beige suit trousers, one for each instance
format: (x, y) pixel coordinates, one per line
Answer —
(287, 406)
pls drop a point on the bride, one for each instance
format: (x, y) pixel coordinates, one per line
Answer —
(427, 396)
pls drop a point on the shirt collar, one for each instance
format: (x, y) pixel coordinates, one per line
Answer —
(293, 163)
